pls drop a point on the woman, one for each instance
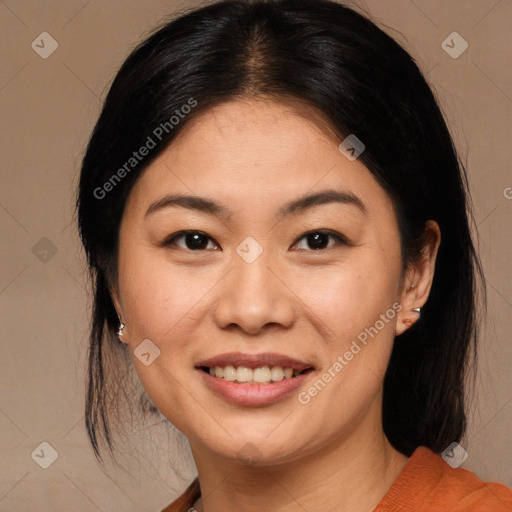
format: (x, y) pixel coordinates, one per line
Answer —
(276, 223)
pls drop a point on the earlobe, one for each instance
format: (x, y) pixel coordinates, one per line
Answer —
(407, 321)
(407, 317)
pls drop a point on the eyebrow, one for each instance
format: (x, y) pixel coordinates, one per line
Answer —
(293, 207)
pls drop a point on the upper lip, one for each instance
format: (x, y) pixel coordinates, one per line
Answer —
(254, 361)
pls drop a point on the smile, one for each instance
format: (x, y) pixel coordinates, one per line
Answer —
(245, 375)
(253, 379)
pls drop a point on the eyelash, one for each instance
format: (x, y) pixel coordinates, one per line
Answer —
(339, 239)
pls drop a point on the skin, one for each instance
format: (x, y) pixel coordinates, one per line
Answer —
(252, 156)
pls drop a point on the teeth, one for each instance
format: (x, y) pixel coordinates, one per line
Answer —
(229, 373)
(243, 374)
(261, 375)
(277, 373)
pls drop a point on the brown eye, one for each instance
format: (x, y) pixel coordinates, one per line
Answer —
(192, 240)
(318, 240)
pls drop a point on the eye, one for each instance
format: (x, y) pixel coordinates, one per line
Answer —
(198, 241)
(193, 240)
(319, 239)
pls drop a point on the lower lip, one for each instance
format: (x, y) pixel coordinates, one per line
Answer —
(254, 394)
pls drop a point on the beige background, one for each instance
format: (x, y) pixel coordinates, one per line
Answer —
(47, 110)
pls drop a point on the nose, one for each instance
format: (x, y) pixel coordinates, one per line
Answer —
(254, 297)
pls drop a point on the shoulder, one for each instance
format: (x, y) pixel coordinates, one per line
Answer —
(429, 484)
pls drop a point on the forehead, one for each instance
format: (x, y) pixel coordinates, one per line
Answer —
(252, 126)
(257, 153)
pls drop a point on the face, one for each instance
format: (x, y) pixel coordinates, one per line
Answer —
(260, 272)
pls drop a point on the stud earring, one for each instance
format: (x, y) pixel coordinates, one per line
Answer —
(417, 310)
(121, 327)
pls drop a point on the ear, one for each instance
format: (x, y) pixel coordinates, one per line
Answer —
(418, 278)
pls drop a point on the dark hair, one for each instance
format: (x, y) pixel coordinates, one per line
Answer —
(363, 83)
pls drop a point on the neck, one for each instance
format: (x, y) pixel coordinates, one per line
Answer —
(350, 474)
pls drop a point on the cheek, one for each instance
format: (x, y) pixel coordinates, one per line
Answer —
(350, 297)
(354, 307)
(160, 300)
(354, 311)
(162, 303)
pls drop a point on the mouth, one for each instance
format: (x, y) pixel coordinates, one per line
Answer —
(255, 369)
(261, 375)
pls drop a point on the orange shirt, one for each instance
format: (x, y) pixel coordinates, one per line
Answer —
(429, 484)
(426, 484)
